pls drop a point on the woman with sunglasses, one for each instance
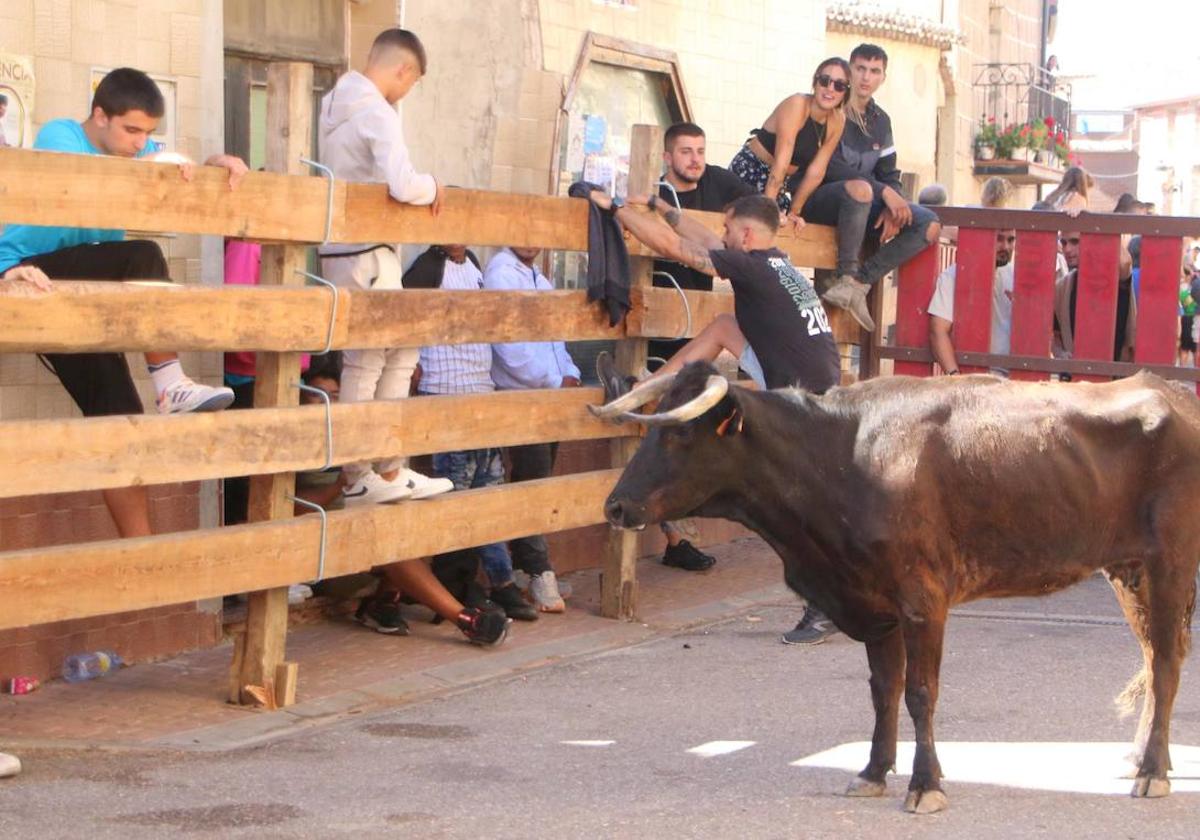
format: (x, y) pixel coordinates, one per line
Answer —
(786, 158)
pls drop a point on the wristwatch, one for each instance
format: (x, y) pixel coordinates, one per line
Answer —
(617, 203)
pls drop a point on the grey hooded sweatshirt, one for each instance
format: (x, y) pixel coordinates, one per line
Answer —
(361, 139)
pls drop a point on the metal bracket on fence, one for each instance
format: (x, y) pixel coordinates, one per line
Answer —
(332, 310)
(328, 421)
(324, 532)
(674, 193)
(687, 307)
(328, 173)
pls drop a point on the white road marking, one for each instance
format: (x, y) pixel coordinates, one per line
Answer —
(1054, 766)
(715, 748)
(588, 743)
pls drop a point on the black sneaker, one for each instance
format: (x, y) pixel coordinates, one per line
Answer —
(509, 599)
(484, 627)
(611, 380)
(813, 629)
(382, 614)
(687, 557)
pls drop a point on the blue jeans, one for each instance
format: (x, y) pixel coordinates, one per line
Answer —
(470, 469)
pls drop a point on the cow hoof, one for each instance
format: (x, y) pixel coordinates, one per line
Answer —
(1151, 787)
(865, 787)
(925, 801)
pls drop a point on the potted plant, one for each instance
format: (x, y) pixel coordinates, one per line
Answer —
(985, 139)
(1008, 142)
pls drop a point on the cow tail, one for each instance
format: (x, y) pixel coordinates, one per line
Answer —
(1127, 700)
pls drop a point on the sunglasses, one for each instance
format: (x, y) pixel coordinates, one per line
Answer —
(1072, 241)
(840, 85)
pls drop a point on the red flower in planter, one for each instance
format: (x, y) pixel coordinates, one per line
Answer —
(991, 120)
(1049, 122)
(1061, 138)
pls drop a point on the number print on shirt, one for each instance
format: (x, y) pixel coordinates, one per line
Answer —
(818, 321)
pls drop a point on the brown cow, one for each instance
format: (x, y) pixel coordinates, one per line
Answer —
(892, 500)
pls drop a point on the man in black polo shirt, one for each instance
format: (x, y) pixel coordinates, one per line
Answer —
(692, 184)
(779, 331)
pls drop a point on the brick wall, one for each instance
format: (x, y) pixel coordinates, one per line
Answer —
(63, 518)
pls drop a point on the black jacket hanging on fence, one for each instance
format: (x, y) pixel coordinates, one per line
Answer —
(608, 260)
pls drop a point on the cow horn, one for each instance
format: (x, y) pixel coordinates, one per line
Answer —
(714, 390)
(636, 398)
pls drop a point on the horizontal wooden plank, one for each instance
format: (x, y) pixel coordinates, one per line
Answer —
(100, 578)
(660, 313)
(48, 188)
(58, 456)
(91, 316)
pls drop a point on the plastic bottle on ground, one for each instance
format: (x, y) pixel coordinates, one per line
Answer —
(86, 666)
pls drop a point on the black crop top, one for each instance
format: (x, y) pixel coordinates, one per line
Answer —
(808, 141)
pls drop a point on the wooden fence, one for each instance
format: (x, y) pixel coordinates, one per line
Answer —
(292, 210)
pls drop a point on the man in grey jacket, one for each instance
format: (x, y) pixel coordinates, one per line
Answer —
(361, 139)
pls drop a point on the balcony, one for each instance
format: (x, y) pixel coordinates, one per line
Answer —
(1024, 128)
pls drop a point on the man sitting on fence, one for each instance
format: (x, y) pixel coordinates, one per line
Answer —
(941, 308)
(530, 364)
(465, 369)
(779, 332)
(126, 109)
(361, 139)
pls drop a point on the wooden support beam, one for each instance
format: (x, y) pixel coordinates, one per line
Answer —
(618, 586)
(76, 581)
(58, 456)
(289, 127)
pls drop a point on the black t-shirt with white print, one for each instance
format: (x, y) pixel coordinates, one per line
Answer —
(778, 311)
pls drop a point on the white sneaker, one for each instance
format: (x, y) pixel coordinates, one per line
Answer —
(374, 489)
(522, 579)
(10, 765)
(186, 396)
(298, 593)
(543, 589)
(424, 486)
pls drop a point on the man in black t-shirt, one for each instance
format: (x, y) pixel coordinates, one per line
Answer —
(779, 333)
(691, 184)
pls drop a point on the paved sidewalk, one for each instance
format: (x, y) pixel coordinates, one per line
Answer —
(345, 669)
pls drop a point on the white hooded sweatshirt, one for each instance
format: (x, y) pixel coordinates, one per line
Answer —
(361, 139)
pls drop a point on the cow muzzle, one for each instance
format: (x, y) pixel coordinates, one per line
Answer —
(625, 513)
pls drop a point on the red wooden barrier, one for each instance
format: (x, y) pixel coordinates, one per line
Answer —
(973, 293)
(916, 279)
(1158, 300)
(1096, 299)
(1033, 297)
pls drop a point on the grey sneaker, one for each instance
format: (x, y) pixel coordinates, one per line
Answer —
(813, 629)
(543, 589)
(851, 294)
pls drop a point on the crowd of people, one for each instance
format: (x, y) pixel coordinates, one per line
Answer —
(826, 156)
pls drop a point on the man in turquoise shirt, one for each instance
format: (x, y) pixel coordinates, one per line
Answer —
(126, 109)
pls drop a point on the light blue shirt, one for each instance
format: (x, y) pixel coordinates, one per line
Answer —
(20, 242)
(525, 364)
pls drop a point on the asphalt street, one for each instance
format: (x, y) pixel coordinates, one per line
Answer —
(718, 732)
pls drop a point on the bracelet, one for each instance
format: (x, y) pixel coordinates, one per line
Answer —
(673, 216)
(652, 202)
(954, 372)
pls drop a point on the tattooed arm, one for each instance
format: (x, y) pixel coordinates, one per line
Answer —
(682, 239)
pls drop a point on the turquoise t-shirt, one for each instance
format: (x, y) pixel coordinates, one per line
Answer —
(19, 242)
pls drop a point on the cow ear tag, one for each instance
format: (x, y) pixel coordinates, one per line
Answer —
(724, 428)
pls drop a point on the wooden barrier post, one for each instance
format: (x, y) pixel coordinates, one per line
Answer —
(618, 589)
(258, 654)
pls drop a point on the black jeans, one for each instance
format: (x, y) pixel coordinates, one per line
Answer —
(100, 383)
(530, 462)
(237, 488)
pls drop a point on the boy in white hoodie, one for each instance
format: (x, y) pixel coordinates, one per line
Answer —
(361, 139)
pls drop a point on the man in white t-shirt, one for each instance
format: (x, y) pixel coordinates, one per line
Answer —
(941, 308)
